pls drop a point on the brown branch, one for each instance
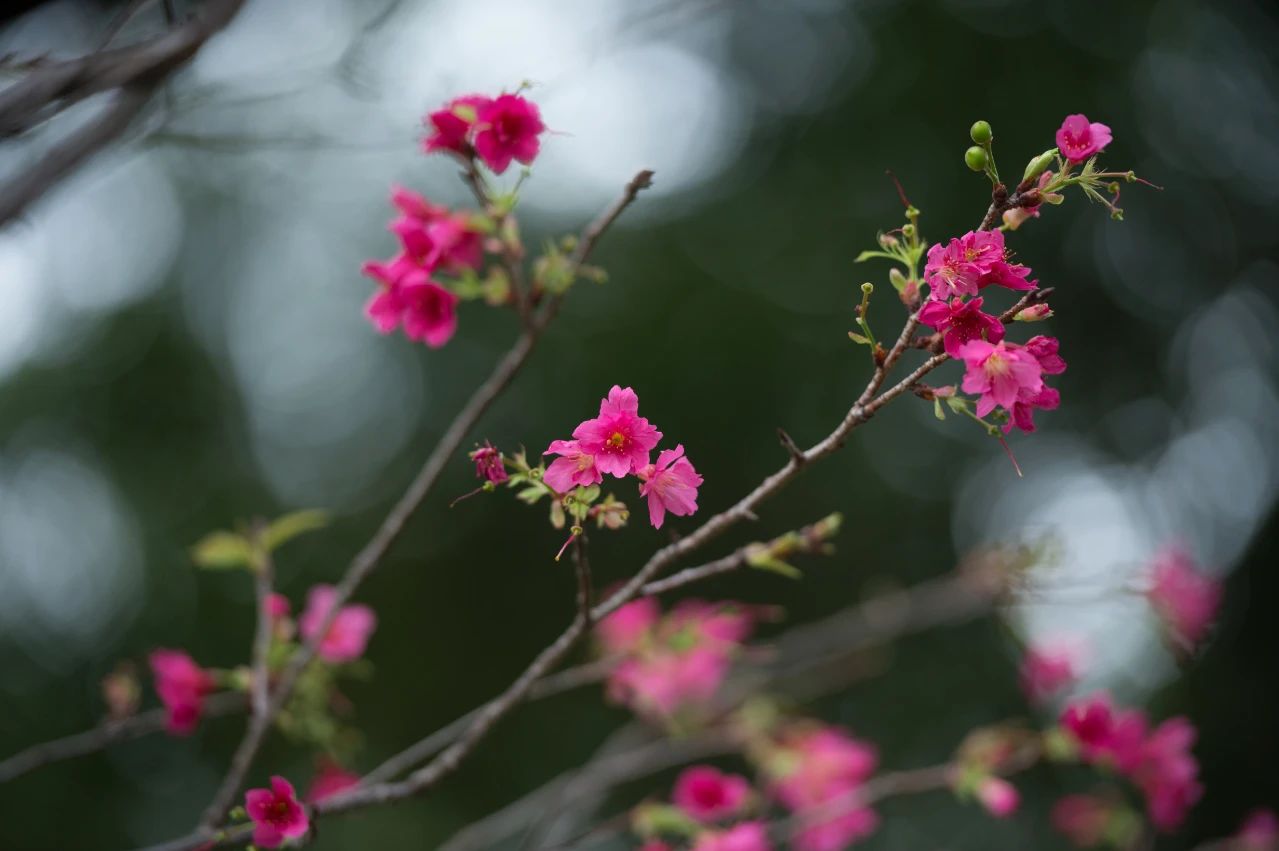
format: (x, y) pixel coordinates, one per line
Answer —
(134, 73)
(110, 732)
(582, 567)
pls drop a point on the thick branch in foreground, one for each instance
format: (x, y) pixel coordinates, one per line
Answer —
(133, 73)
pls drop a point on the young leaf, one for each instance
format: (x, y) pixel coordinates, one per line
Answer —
(286, 528)
(222, 551)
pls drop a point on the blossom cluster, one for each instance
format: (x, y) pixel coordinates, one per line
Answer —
(618, 442)
(1157, 761)
(816, 771)
(435, 241)
(666, 667)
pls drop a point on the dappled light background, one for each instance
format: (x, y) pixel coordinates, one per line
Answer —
(183, 346)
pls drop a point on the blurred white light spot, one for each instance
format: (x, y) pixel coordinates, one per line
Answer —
(23, 301)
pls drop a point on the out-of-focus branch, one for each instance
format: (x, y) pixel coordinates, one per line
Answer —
(108, 733)
(133, 73)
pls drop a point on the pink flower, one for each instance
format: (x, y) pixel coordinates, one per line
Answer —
(1081, 818)
(708, 795)
(329, 781)
(624, 629)
(572, 469)
(451, 126)
(1078, 139)
(998, 796)
(347, 637)
(977, 259)
(1168, 774)
(276, 814)
(1185, 599)
(410, 298)
(1049, 669)
(1000, 373)
(961, 322)
(671, 486)
(659, 685)
(507, 128)
(747, 836)
(277, 606)
(619, 438)
(823, 768)
(182, 686)
(489, 464)
(1259, 832)
(1044, 351)
(837, 832)
(1105, 735)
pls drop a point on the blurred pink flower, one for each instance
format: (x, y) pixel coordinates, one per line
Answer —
(1081, 818)
(1185, 599)
(747, 836)
(998, 796)
(329, 780)
(348, 636)
(708, 795)
(626, 628)
(1078, 138)
(1049, 668)
(670, 485)
(277, 606)
(276, 814)
(451, 125)
(182, 686)
(822, 769)
(1168, 773)
(507, 128)
(1259, 832)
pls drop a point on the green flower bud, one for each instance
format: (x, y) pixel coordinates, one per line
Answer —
(1036, 167)
(976, 158)
(981, 133)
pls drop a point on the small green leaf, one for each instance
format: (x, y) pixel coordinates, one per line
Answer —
(557, 514)
(286, 528)
(867, 255)
(531, 495)
(858, 338)
(938, 411)
(222, 551)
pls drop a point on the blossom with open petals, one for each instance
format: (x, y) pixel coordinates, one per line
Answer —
(1078, 138)
(670, 485)
(276, 814)
(348, 636)
(619, 438)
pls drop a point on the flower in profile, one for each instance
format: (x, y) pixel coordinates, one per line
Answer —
(1044, 351)
(1081, 818)
(960, 322)
(1185, 599)
(574, 467)
(747, 836)
(507, 128)
(276, 814)
(817, 772)
(1259, 832)
(706, 794)
(182, 686)
(1168, 774)
(1050, 668)
(998, 796)
(451, 125)
(619, 438)
(1078, 138)
(329, 780)
(670, 485)
(348, 636)
(1001, 373)
(489, 464)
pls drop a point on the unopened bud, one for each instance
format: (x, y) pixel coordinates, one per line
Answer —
(887, 240)
(981, 132)
(1036, 166)
(1034, 313)
(908, 231)
(976, 158)
(897, 279)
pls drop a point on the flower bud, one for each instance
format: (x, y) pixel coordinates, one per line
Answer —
(998, 796)
(981, 132)
(1034, 313)
(976, 158)
(1036, 166)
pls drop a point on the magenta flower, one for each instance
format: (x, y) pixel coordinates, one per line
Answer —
(489, 464)
(961, 322)
(182, 686)
(1078, 138)
(1044, 351)
(410, 298)
(572, 469)
(1105, 736)
(1168, 773)
(1081, 818)
(507, 128)
(452, 124)
(820, 766)
(1001, 373)
(348, 636)
(975, 260)
(330, 780)
(708, 795)
(670, 485)
(1049, 669)
(626, 628)
(663, 683)
(747, 836)
(277, 606)
(998, 796)
(1259, 832)
(619, 438)
(1185, 599)
(276, 814)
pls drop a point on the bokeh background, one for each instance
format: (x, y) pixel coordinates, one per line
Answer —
(183, 346)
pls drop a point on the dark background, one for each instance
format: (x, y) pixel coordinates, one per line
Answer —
(727, 309)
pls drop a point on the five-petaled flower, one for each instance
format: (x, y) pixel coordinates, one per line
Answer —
(1078, 138)
(619, 438)
(670, 485)
(347, 637)
(961, 322)
(573, 468)
(507, 128)
(182, 686)
(707, 794)
(276, 814)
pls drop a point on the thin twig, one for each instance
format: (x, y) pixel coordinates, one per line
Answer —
(582, 567)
